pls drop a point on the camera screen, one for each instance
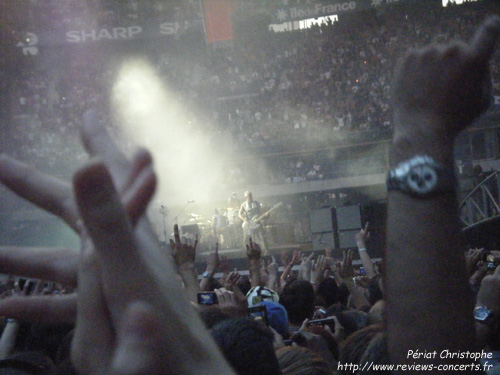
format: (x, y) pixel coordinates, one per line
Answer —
(207, 298)
(258, 313)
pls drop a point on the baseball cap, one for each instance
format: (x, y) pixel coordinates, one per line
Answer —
(276, 316)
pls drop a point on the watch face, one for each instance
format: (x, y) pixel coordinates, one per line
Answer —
(481, 313)
(422, 179)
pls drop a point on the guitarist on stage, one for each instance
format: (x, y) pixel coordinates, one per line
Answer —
(249, 211)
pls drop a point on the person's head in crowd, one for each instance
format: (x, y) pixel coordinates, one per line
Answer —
(247, 345)
(276, 316)
(292, 276)
(298, 298)
(344, 294)
(212, 315)
(368, 345)
(298, 360)
(27, 362)
(260, 293)
(328, 291)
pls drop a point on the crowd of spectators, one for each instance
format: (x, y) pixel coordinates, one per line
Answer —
(332, 81)
(125, 305)
(270, 92)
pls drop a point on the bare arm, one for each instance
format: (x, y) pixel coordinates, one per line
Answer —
(366, 261)
(253, 255)
(272, 271)
(295, 260)
(184, 256)
(126, 286)
(438, 91)
(212, 264)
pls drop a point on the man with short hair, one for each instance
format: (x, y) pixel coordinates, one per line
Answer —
(249, 213)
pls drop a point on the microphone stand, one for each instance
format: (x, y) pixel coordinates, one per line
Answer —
(163, 212)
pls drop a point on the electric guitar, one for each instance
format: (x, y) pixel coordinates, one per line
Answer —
(253, 223)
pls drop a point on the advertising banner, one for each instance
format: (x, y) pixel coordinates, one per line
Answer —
(218, 19)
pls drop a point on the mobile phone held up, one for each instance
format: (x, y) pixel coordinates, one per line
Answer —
(207, 298)
(258, 313)
(321, 322)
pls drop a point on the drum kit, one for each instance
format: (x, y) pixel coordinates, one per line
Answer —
(223, 227)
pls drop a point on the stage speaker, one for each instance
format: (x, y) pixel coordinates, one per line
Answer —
(322, 220)
(348, 217)
(346, 238)
(320, 241)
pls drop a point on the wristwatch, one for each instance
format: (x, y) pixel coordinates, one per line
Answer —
(205, 274)
(484, 315)
(421, 176)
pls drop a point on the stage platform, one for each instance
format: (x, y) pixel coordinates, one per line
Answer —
(238, 258)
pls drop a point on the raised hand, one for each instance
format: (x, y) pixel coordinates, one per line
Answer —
(120, 264)
(346, 269)
(305, 267)
(438, 91)
(184, 254)
(253, 251)
(232, 280)
(232, 285)
(449, 85)
(57, 197)
(228, 302)
(318, 270)
(296, 258)
(362, 237)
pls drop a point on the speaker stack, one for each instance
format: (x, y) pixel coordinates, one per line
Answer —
(322, 223)
(348, 224)
(335, 227)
